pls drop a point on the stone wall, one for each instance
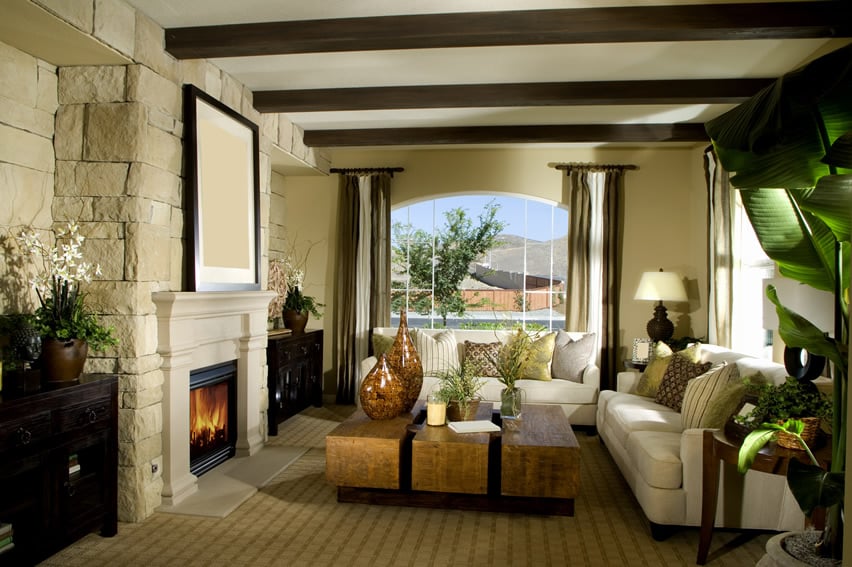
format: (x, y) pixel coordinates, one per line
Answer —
(115, 165)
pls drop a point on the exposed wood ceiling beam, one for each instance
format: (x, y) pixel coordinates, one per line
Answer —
(711, 91)
(574, 133)
(777, 20)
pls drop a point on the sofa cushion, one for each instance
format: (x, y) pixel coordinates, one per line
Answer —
(570, 357)
(438, 353)
(711, 398)
(544, 392)
(656, 456)
(626, 413)
(540, 355)
(481, 357)
(661, 355)
(679, 371)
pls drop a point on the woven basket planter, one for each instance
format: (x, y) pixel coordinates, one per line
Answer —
(809, 434)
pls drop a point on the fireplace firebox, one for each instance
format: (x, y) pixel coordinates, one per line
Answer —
(212, 416)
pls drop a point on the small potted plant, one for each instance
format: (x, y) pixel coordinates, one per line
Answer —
(459, 387)
(66, 324)
(794, 399)
(296, 305)
(511, 360)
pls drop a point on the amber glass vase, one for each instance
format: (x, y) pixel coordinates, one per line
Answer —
(405, 361)
(382, 394)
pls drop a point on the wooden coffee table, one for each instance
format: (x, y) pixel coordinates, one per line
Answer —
(534, 469)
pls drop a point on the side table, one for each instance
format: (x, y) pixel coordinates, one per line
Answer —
(630, 364)
(718, 447)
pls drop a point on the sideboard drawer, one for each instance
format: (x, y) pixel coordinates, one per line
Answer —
(89, 414)
(26, 431)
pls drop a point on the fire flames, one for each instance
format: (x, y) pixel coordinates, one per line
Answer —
(208, 416)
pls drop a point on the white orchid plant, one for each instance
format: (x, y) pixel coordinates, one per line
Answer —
(62, 313)
(287, 277)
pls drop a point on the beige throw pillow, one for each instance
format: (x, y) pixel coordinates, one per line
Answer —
(710, 399)
(571, 357)
(438, 353)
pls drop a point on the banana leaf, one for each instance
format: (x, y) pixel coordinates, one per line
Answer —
(795, 330)
(813, 486)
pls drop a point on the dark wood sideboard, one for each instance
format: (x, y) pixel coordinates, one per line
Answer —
(58, 466)
(295, 374)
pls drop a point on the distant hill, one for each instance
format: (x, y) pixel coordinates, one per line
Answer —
(509, 256)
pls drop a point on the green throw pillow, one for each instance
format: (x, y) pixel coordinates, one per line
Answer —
(540, 354)
(661, 355)
(381, 344)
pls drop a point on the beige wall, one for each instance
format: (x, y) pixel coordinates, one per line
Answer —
(664, 224)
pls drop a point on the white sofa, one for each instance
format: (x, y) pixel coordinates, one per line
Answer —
(662, 461)
(577, 399)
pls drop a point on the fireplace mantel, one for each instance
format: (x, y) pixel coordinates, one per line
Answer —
(198, 329)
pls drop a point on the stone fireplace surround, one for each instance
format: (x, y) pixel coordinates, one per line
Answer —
(201, 329)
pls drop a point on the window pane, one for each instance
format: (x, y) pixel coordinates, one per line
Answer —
(520, 280)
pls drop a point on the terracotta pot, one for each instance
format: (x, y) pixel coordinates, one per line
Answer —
(295, 320)
(62, 361)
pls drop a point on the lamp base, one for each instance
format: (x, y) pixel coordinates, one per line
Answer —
(660, 328)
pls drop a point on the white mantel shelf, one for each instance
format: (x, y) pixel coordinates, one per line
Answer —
(200, 329)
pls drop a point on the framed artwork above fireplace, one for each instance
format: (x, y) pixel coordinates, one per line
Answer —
(223, 195)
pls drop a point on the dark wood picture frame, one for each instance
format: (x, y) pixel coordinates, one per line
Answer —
(222, 157)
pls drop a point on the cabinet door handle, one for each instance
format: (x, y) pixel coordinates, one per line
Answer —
(91, 415)
(24, 436)
(69, 487)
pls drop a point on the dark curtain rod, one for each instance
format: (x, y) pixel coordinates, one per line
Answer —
(365, 170)
(590, 166)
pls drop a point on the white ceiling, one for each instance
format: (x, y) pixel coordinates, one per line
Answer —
(472, 65)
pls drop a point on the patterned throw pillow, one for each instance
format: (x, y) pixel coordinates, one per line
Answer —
(571, 357)
(661, 355)
(481, 357)
(438, 353)
(712, 398)
(679, 371)
(540, 354)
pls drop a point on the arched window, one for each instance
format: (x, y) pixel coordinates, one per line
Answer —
(477, 261)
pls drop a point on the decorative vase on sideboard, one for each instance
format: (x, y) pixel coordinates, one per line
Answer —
(62, 360)
(295, 320)
(405, 361)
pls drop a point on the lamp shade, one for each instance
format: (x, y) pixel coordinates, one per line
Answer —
(661, 286)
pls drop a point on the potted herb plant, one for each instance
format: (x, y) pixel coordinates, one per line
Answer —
(459, 387)
(66, 324)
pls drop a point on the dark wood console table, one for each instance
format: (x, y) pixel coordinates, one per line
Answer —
(295, 374)
(58, 466)
(718, 447)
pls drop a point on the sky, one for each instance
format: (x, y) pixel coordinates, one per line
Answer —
(524, 217)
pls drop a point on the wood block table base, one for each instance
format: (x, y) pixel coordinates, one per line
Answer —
(473, 502)
(534, 470)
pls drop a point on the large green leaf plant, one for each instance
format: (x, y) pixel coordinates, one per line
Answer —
(790, 147)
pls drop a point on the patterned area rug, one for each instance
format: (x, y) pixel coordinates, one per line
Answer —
(295, 520)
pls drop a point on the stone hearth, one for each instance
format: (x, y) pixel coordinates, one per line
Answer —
(196, 330)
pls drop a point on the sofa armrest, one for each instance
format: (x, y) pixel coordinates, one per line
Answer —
(592, 376)
(627, 381)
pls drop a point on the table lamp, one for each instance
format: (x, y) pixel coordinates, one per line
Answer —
(660, 286)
